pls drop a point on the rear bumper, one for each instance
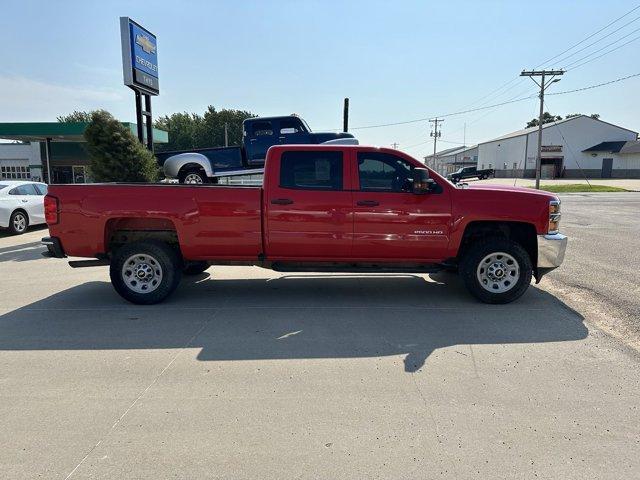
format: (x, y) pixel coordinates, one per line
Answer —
(551, 249)
(54, 247)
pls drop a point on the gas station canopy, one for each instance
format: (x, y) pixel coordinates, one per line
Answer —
(61, 132)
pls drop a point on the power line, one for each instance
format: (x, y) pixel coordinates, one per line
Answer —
(490, 94)
(443, 115)
(600, 39)
(559, 93)
(515, 100)
(497, 104)
(597, 85)
(590, 36)
(606, 53)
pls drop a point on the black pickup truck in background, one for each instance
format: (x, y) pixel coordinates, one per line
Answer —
(470, 172)
(258, 134)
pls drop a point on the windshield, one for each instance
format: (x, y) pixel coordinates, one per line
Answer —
(306, 125)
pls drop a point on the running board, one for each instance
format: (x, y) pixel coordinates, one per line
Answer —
(88, 263)
(337, 267)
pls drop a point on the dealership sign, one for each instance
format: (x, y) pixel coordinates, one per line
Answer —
(139, 57)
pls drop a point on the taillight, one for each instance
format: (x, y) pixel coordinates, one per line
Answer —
(554, 216)
(51, 210)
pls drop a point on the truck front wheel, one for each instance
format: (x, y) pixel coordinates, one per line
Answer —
(145, 272)
(496, 270)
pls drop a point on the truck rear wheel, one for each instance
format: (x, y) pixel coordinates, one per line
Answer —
(145, 272)
(496, 270)
(192, 176)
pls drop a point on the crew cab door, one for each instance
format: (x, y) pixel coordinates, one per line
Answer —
(308, 205)
(261, 136)
(390, 221)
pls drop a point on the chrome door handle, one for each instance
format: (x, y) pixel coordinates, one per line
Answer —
(282, 201)
(367, 203)
(24, 201)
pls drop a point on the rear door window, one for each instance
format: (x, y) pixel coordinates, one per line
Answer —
(311, 170)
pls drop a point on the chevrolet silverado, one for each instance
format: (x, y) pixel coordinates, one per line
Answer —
(322, 208)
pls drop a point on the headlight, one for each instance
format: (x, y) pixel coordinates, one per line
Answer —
(554, 216)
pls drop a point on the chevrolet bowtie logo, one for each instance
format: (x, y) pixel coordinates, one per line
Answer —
(146, 44)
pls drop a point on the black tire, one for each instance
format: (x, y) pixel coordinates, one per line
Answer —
(195, 268)
(470, 272)
(160, 257)
(186, 176)
(18, 222)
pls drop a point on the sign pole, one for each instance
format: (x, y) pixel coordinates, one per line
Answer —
(139, 117)
(147, 114)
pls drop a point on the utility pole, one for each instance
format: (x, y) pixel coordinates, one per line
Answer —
(395, 145)
(435, 134)
(543, 86)
(226, 135)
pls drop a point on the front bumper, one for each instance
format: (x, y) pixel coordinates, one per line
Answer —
(54, 247)
(551, 249)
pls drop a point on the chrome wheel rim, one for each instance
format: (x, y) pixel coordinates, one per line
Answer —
(142, 273)
(193, 178)
(498, 272)
(19, 222)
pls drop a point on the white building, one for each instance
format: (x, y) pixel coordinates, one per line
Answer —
(447, 161)
(566, 151)
(20, 161)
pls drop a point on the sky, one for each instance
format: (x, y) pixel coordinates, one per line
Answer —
(396, 61)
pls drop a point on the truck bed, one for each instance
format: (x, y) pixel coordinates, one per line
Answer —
(209, 221)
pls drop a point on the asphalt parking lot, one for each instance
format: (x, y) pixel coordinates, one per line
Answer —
(247, 373)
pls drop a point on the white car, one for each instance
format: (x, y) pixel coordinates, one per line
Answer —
(21, 204)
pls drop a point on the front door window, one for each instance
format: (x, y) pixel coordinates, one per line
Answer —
(381, 172)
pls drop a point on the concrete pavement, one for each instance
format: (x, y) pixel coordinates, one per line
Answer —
(600, 275)
(246, 373)
(626, 183)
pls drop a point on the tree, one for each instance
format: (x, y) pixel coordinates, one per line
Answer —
(115, 154)
(76, 116)
(593, 115)
(546, 118)
(190, 130)
(183, 129)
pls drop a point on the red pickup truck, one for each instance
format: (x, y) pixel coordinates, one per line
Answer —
(322, 209)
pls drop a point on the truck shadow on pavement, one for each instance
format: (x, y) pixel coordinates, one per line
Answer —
(22, 253)
(291, 317)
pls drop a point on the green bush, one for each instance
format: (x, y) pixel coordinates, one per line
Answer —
(115, 154)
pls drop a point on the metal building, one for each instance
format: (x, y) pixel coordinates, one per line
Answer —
(567, 151)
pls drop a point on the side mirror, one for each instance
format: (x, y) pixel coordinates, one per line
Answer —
(421, 182)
